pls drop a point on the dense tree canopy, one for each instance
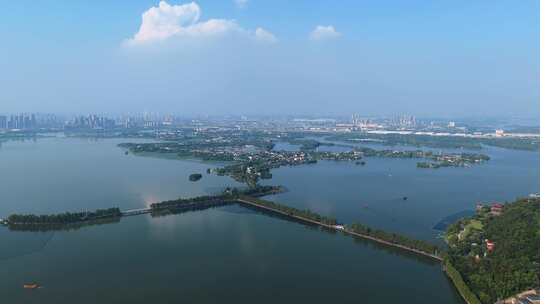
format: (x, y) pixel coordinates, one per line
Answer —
(513, 265)
(63, 218)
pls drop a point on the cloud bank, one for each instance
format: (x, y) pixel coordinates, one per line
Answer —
(167, 22)
(324, 33)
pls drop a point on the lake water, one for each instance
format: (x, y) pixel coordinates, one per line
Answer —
(373, 194)
(68, 174)
(231, 254)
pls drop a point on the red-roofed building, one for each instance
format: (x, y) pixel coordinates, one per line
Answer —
(497, 209)
(490, 245)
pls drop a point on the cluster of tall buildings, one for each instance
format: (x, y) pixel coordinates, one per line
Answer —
(31, 121)
(146, 120)
(357, 122)
(404, 121)
(19, 122)
(91, 122)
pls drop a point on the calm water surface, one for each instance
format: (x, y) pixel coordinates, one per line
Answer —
(231, 254)
(68, 174)
(373, 194)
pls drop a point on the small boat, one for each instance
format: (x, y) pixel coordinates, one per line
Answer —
(31, 286)
(405, 198)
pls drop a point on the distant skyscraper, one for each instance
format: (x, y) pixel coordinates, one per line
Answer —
(404, 121)
(20, 121)
(3, 122)
(355, 119)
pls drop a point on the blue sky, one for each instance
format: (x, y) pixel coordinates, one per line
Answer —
(440, 58)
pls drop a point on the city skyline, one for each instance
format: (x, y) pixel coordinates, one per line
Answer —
(20, 123)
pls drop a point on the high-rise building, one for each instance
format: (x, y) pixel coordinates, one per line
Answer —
(21, 121)
(15, 122)
(3, 122)
(404, 121)
(355, 119)
(91, 122)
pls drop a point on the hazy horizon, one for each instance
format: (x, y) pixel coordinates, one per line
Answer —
(318, 58)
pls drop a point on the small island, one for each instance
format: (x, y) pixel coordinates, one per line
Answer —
(249, 157)
(195, 177)
(453, 160)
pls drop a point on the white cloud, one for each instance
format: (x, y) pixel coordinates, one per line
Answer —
(265, 36)
(241, 3)
(165, 22)
(324, 33)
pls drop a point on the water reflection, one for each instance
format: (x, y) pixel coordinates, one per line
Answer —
(17, 244)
